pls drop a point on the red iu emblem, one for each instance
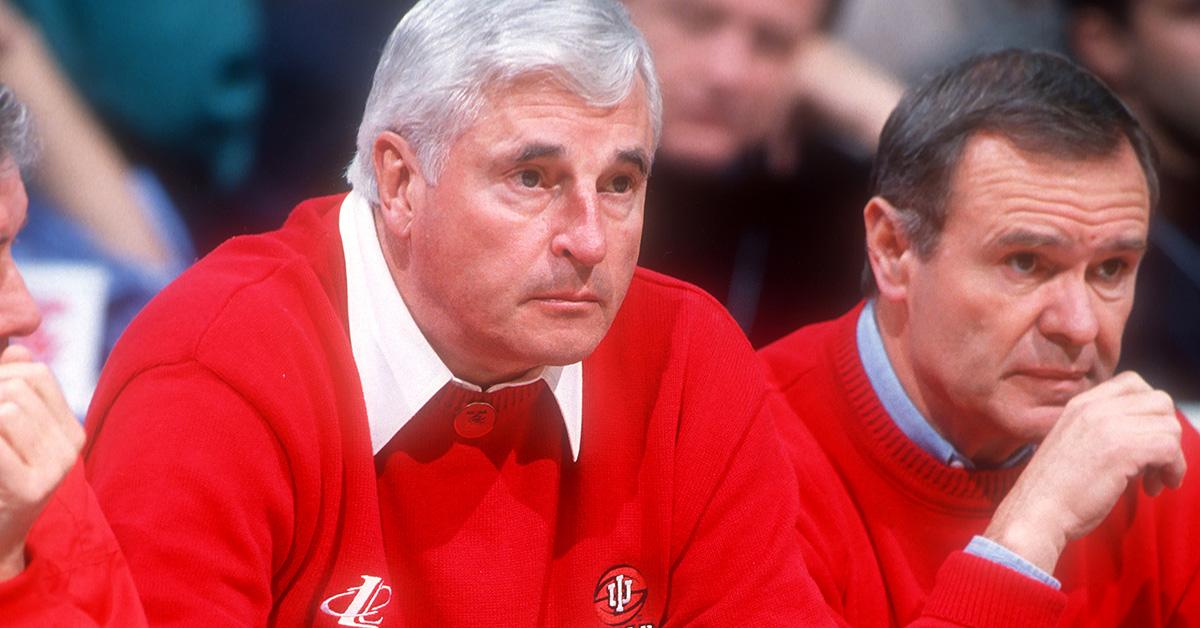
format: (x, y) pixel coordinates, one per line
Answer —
(619, 595)
(361, 606)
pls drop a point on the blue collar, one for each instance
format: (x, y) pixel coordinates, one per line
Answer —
(897, 403)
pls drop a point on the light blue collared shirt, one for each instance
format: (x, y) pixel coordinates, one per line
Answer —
(916, 427)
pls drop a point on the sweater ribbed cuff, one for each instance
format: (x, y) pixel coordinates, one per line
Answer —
(972, 591)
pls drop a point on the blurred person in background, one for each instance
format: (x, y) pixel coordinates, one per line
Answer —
(1149, 52)
(102, 235)
(178, 88)
(768, 125)
(59, 562)
(913, 38)
(317, 58)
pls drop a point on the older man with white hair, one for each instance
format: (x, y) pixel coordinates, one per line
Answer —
(448, 398)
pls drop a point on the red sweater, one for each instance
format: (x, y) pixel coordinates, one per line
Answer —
(74, 573)
(887, 549)
(230, 450)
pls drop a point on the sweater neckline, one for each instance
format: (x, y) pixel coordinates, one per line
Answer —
(881, 441)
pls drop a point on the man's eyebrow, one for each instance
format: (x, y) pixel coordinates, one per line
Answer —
(537, 150)
(1029, 240)
(1124, 244)
(637, 157)
(1033, 240)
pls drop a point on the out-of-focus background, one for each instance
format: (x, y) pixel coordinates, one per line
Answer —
(169, 127)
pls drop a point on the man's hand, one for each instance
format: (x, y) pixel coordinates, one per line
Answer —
(40, 440)
(1106, 437)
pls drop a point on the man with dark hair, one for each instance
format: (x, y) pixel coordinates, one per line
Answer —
(970, 406)
(59, 562)
(448, 398)
(1149, 52)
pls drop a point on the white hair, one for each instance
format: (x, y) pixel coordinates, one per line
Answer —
(442, 57)
(17, 139)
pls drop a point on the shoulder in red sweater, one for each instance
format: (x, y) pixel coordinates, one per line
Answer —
(886, 549)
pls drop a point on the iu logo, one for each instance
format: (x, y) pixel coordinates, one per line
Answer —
(364, 609)
(619, 595)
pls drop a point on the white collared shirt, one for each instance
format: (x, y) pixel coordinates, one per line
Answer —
(400, 372)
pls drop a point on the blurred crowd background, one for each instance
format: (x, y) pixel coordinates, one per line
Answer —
(169, 127)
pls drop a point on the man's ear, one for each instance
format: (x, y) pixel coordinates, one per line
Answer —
(889, 249)
(400, 182)
(1103, 46)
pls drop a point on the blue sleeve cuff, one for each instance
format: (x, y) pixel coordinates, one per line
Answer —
(988, 549)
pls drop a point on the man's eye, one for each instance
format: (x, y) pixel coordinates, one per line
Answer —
(621, 185)
(529, 178)
(1111, 269)
(1023, 263)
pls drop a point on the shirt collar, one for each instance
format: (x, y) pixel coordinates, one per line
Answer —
(899, 405)
(399, 371)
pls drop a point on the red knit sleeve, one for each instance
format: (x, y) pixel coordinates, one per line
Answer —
(973, 591)
(737, 561)
(197, 493)
(75, 574)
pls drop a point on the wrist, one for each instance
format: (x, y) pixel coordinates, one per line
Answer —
(1039, 543)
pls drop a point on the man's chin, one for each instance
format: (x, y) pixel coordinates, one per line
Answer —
(1031, 423)
(561, 347)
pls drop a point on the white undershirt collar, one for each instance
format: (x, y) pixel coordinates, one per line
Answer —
(400, 372)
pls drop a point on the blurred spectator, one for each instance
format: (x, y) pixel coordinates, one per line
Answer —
(178, 84)
(101, 237)
(318, 58)
(911, 38)
(758, 187)
(1149, 52)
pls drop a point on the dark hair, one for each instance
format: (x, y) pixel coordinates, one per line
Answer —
(1039, 101)
(16, 132)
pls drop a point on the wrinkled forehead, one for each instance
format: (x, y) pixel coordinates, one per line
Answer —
(996, 182)
(546, 97)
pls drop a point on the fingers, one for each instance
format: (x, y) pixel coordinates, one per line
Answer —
(40, 426)
(1154, 443)
(1125, 383)
(49, 425)
(39, 377)
(16, 353)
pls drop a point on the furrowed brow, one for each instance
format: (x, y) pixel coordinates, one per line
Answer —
(530, 152)
(1121, 245)
(1029, 240)
(637, 157)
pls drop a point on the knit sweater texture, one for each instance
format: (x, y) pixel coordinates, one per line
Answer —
(887, 549)
(74, 572)
(231, 453)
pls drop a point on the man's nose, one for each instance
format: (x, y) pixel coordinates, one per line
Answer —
(581, 236)
(1069, 317)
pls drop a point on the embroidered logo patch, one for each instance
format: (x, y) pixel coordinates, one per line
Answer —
(619, 595)
(360, 606)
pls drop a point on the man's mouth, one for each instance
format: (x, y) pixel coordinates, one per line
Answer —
(1057, 383)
